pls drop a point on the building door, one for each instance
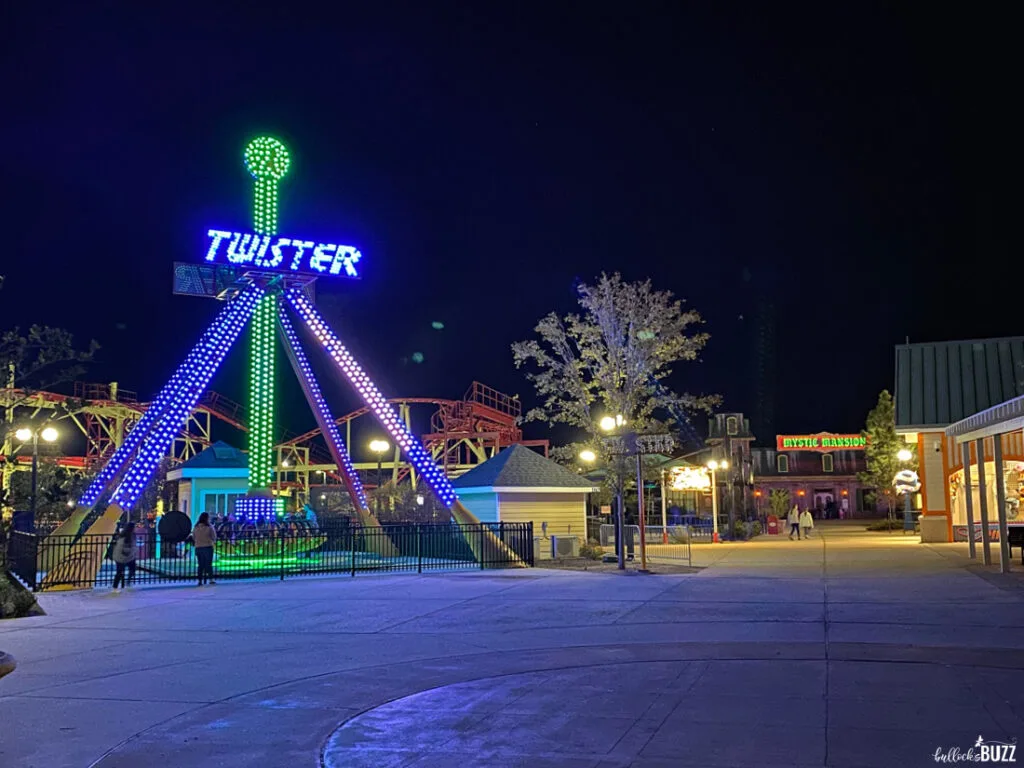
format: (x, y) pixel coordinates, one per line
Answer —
(823, 497)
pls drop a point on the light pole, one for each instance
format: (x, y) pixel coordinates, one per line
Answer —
(379, 447)
(587, 456)
(49, 435)
(715, 466)
(610, 425)
(664, 509)
(641, 509)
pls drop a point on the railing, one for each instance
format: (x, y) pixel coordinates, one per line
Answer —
(673, 547)
(21, 557)
(69, 561)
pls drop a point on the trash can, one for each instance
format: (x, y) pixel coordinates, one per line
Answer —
(773, 525)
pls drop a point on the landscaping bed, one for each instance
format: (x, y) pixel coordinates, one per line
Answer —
(596, 566)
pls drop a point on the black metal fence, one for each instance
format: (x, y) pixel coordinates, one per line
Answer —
(44, 562)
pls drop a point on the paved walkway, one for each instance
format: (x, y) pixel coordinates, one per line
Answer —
(851, 649)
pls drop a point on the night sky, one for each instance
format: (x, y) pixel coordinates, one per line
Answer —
(845, 166)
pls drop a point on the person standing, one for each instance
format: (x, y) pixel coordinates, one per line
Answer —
(203, 538)
(123, 554)
(794, 522)
(806, 523)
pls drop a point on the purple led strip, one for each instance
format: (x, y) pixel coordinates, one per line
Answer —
(195, 382)
(116, 463)
(321, 410)
(415, 452)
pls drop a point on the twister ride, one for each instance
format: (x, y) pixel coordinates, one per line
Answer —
(265, 280)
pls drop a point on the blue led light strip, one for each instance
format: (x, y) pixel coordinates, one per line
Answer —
(208, 342)
(194, 383)
(259, 509)
(415, 452)
(321, 411)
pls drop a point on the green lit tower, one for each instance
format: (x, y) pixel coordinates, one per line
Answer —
(267, 160)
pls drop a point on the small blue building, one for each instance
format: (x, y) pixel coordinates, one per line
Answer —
(211, 481)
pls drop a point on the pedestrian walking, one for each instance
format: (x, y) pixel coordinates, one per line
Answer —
(123, 555)
(806, 523)
(794, 522)
(204, 536)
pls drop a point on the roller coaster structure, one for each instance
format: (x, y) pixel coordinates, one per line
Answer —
(463, 433)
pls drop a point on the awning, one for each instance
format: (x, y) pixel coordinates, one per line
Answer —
(997, 420)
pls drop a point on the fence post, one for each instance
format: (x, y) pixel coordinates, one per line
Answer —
(352, 545)
(35, 563)
(419, 548)
(280, 549)
(482, 540)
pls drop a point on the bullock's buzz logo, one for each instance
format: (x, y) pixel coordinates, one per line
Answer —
(983, 751)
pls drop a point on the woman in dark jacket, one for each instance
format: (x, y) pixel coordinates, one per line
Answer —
(204, 536)
(123, 555)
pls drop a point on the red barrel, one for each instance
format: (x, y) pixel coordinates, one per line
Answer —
(773, 525)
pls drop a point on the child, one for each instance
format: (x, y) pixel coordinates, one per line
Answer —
(806, 522)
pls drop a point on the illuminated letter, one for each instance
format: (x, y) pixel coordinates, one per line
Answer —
(217, 236)
(260, 260)
(275, 249)
(322, 257)
(347, 257)
(300, 247)
(243, 248)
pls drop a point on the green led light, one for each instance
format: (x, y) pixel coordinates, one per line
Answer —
(267, 160)
(261, 394)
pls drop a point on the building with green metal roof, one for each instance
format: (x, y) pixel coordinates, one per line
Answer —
(519, 485)
(942, 383)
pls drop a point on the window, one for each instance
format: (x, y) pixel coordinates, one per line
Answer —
(782, 462)
(826, 462)
(732, 425)
(219, 504)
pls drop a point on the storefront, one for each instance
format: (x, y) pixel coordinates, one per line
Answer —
(941, 389)
(817, 472)
(986, 489)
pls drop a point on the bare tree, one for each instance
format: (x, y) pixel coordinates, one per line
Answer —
(615, 356)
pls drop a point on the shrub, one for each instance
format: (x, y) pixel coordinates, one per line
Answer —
(14, 601)
(895, 524)
(591, 551)
(678, 534)
(755, 528)
(740, 530)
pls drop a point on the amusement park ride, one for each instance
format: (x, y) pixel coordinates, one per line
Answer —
(265, 280)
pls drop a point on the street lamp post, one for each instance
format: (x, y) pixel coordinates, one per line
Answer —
(379, 447)
(610, 425)
(49, 435)
(715, 466)
(641, 509)
(664, 509)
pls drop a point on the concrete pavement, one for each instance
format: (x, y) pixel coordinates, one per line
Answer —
(850, 649)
